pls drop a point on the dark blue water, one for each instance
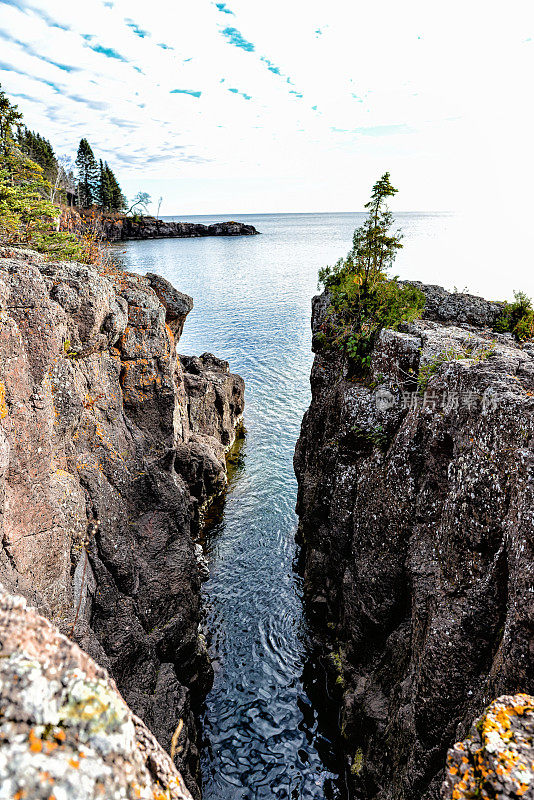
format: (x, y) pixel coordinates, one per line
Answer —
(265, 726)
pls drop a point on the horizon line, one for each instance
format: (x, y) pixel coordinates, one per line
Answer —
(289, 213)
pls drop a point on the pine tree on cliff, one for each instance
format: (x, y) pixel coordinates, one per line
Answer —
(88, 175)
(10, 122)
(39, 150)
(374, 244)
(117, 199)
(362, 297)
(109, 197)
(104, 188)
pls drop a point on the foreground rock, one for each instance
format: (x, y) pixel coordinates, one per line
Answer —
(65, 731)
(98, 498)
(115, 228)
(497, 760)
(416, 521)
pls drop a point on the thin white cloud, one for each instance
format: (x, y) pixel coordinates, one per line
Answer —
(246, 90)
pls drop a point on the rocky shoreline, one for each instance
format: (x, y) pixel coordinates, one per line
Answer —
(111, 446)
(415, 490)
(415, 503)
(119, 228)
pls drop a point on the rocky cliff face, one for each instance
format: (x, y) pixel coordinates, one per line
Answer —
(116, 228)
(415, 504)
(65, 731)
(109, 451)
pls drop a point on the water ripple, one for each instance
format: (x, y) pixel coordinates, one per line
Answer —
(264, 736)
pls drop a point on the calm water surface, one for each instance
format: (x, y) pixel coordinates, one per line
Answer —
(265, 728)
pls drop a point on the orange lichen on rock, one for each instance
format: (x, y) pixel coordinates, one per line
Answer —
(36, 744)
(499, 751)
(3, 405)
(66, 732)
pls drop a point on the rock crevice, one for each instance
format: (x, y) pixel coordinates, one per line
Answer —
(109, 449)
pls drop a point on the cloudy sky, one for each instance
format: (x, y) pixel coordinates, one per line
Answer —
(249, 106)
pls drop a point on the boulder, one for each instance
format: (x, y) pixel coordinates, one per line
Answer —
(497, 758)
(65, 730)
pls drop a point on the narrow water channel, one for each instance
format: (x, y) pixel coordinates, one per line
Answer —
(266, 721)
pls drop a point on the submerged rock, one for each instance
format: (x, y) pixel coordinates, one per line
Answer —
(103, 447)
(415, 499)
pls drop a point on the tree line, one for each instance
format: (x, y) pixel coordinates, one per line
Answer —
(84, 182)
(97, 184)
(30, 188)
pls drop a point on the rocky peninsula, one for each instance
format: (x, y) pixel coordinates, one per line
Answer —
(119, 227)
(415, 502)
(111, 448)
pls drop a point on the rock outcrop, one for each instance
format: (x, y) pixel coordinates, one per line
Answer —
(109, 450)
(65, 731)
(117, 227)
(416, 521)
(497, 760)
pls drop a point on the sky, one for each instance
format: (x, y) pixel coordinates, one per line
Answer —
(254, 106)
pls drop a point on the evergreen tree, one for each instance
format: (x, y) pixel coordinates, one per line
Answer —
(39, 150)
(109, 197)
(363, 299)
(104, 189)
(117, 199)
(374, 245)
(88, 175)
(10, 122)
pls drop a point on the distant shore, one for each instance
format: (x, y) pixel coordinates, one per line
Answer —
(120, 228)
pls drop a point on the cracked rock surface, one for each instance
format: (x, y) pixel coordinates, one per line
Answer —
(109, 450)
(416, 521)
(65, 731)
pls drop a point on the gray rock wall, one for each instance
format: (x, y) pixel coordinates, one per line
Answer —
(416, 520)
(100, 427)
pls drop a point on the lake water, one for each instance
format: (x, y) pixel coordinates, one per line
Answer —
(267, 725)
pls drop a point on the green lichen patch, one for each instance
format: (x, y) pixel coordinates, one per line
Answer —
(99, 715)
(357, 762)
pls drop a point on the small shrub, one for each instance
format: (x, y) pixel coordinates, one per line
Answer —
(357, 762)
(517, 318)
(336, 658)
(427, 371)
(362, 298)
(375, 437)
(358, 313)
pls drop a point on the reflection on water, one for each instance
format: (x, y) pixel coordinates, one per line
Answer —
(263, 734)
(266, 721)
